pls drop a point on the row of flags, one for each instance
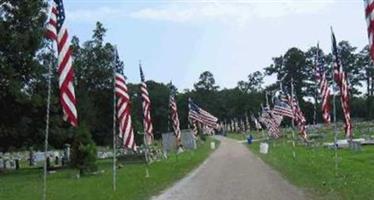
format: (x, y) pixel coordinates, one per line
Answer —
(340, 77)
(200, 118)
(56, 30)
(236, 125)
(341, 80)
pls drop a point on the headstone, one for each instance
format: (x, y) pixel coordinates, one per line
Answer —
(12, 164)
(17, 164)
(264, 148)
(355, 145)
(212, 145)
(31, 158)
(169, 141)
(4, 163)
(57, 160)
(67, 152)
(48, 163)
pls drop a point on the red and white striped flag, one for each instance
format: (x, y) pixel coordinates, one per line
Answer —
(341, 80)
(369, 14)
(126, 131)
(270, 121)
(57, 31)
(324, 87)
(298, 117)
(202, 116)
(174, 116)
(146, 104)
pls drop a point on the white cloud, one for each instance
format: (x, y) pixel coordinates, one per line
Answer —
(232, 12)
(100, 14)
(238, 12)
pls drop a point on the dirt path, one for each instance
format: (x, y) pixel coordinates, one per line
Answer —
(232, 173)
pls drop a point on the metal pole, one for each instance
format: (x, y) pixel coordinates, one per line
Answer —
(145, 141)
(47, 129)
(316, 88)
(114, 126)
(146, 156)
(293, 122)
(315, 105)
(335, 126)
(114, 140)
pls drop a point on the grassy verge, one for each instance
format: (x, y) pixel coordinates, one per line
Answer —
(131, 181)
(314, 169)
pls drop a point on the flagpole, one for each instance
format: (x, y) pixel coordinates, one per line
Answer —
(293, 122)
(47, 127)
(114, 129)
(316, 88)
(145, 140)
(114, 142)
(334, 110)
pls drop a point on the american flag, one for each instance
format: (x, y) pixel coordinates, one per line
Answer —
(281, 107)
(369, 13)
(338, 67)
(298, 117)
(271, 123)
(126, 131)
(324, 86)
(146, 104)
(56, 30)
(195, 129)
(174, 116)
(341, 80)
(200, 115)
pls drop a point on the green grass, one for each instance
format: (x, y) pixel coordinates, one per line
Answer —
(313, 169)
(131, 181)
(236, 136)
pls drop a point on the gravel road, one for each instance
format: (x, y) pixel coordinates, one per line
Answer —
(232, 173)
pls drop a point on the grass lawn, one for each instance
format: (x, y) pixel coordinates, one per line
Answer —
(131, 181)
(313, 169)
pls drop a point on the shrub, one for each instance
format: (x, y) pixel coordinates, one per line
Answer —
(84, 151)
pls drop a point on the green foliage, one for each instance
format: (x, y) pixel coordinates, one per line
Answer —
(21, 38)
(206, 82)
(84, 151)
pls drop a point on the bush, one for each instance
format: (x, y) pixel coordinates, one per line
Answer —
(84, 151)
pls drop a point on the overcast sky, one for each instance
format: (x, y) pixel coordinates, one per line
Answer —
(177, 40)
